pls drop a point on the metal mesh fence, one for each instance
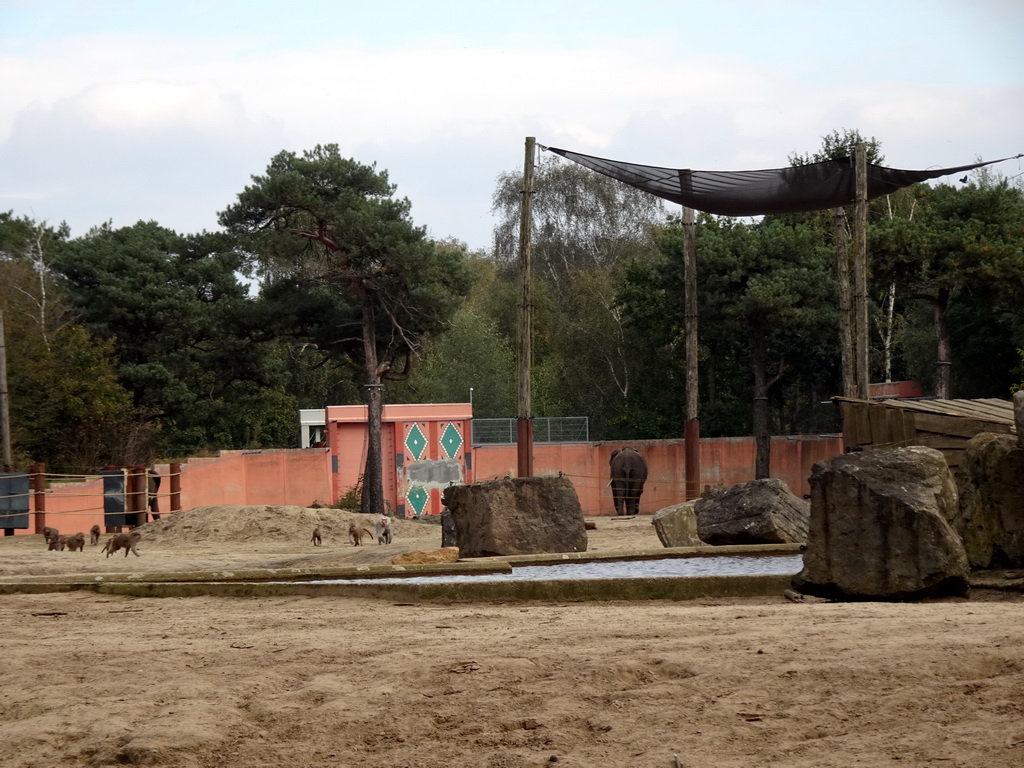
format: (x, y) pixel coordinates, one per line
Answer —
(555, 429)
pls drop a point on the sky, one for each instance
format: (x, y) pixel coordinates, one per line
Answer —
(126, 110)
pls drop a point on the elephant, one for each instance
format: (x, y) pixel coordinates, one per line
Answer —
(629, 471)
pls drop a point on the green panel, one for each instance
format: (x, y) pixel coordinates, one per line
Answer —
(418, 498)
(416, 441)
(451, 440)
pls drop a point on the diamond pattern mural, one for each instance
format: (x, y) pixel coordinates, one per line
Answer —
(451, 440)
(417, 498)
(416, 442)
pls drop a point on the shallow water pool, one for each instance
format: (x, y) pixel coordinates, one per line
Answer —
(726, 565)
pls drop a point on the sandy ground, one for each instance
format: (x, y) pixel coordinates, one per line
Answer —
(97, 680)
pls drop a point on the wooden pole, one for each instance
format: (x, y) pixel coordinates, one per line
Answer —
(860, 271)
(5, 411)
(846, 340)
(524, 430)
(691, 430)
(39, 494)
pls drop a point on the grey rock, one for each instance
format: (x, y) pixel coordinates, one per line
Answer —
(990, 516)
(1018, 414)
(517, 516)
(880, 528)
(676, 526)
(449, 536)
(755, 512)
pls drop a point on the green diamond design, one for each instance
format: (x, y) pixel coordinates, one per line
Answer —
(417, 498)
(451, 440)
(416, 441)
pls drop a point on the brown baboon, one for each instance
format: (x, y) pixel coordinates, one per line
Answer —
(383, 526)
(49, 533)
(76, 541)
(356, 531)
(94, 535)
(125, 541)
(316, 537)
(56, 543)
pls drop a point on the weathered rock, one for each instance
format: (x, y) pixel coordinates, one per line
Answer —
(880, 528)
(449, 536)
(755, 512)
(1018, 414)
(990, 516)
(423, 557)
(676, 526)
(517, 516)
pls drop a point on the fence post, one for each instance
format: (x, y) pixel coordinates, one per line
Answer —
(135, 496)
(39, 494)
(175, 472)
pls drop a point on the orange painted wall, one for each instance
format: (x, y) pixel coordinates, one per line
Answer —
(724, 461)
(303, 476)
(285, 477)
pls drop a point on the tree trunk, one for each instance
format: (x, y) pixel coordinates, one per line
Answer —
(760, 415)
(943, 346)
(373, 479)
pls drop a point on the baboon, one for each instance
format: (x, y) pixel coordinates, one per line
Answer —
(94, 535)
(383, 526)
(49, 533)
(125, 541)
(356, 531)
(316, 537)
(76, 541)
(56, 543)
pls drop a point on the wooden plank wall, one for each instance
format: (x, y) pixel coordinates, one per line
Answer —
(946, 425)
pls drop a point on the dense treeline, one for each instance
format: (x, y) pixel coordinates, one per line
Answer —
(133, 343)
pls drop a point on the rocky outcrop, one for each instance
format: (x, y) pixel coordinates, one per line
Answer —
(755, 512)
(676, 526)
(1018, 415)
(517, 516)
(880, 528)
(990, 515)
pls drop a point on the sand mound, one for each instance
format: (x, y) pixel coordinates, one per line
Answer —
(249, 523)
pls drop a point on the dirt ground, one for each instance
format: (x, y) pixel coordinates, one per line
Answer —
(98, 680)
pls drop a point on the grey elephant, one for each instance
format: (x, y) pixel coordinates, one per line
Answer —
(629, 472)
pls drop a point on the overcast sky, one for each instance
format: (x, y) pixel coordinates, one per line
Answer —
(162, 110)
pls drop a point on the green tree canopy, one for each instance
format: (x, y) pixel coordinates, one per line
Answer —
(323, 224)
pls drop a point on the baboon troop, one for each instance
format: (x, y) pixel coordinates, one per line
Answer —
(356, 531)
(57, 543)
(125, 541)
(316, 537)
(94, 535)
(383, 526)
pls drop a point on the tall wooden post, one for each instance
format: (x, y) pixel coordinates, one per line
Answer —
(524, 425)
(5, 411)
(846, 342)
(860, 271)
(691, 430)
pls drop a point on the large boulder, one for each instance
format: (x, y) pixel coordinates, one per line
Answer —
(676, 526)
(880, 528)
(517, 516)
(990, 516)
(755, 512)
